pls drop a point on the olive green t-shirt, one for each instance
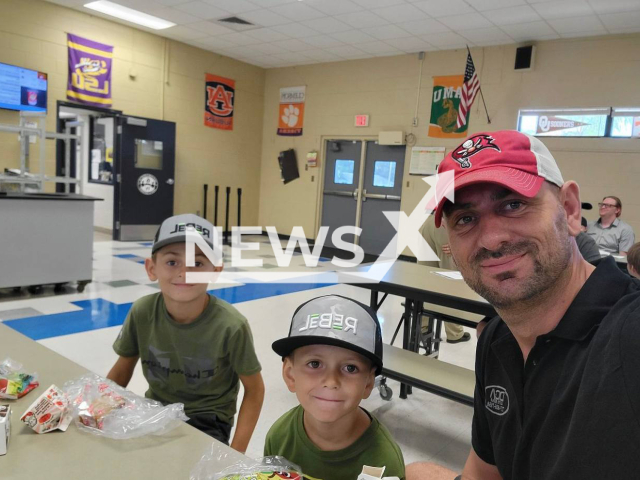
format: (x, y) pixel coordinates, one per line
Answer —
(375, 448)
(196, 364)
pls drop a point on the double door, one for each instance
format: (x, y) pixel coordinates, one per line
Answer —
(362, 179)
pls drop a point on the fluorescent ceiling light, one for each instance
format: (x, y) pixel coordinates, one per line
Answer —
(129, 14)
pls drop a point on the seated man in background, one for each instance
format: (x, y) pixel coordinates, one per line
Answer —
(609, 232)
(557, 392)
(587, 245)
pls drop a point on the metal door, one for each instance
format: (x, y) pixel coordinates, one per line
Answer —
(144, 184)
(382, 190)
(341, 179)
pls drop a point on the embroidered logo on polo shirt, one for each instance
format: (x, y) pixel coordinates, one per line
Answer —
(496, 399)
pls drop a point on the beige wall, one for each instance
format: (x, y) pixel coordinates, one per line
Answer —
(33, 35)
(591, 72)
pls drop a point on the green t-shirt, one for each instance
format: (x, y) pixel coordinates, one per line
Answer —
(375, 448)
(196, 364)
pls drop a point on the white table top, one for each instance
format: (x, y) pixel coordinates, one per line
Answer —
(78, 455)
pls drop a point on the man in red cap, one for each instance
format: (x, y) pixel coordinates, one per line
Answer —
(557, 384)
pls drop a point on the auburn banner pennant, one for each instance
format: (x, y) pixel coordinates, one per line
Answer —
(219, 98)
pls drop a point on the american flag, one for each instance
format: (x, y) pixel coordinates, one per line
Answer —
(470, 88)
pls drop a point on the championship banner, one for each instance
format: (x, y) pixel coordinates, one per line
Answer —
(219, 98)
(89, 80)
(291, 114)
(445, 102)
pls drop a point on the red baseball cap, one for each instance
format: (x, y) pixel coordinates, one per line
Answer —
(507, 157)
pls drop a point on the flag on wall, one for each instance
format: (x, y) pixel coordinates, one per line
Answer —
(89, 80)
(219, 100)
(470, 88)
(447, 93)
(291, 112)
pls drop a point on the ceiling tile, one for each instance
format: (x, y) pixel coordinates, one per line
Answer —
(346, 51)
(512, 15)
(234, 6)
(423, 27)
(483, 35)
(238, 38)
(400, 13)
(266, 34)
(530, 31)
(175, 16)
(297, 11)
(446, 39)
(615, 6)
(322, 41)
(570, 8)
(265, 18)
(622, 22)
(385, 32)
(202, 10)
(327, 25)
(482, 5)
(211, 28)
(410, 44)
(296, 30)
(363, 19)
(468, 20)
(378, 48)
(171, 3)
(269, 48)
(183, 32)
(334, 7)
(270, 3)
(354, 36)
(369, 4)
(291, 57)
(589, 23)
(444, 8)
(293, 45)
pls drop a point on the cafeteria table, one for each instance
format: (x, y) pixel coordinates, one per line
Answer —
(79, 455)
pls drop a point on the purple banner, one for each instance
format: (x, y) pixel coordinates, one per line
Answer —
(89, 79)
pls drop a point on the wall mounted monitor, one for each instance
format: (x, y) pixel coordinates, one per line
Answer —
(22, 89)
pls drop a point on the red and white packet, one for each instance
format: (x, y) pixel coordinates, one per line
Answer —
(49, 412)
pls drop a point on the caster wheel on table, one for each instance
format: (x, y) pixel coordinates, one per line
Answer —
(385, 392)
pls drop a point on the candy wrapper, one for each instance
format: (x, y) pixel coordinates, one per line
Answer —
(272, 468)
(14, 382)
(101, 407)
(49, 412)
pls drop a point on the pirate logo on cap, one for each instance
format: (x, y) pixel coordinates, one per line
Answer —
(470, 147)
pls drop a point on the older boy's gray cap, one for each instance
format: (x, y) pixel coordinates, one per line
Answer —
(338, 321)
(174, 230)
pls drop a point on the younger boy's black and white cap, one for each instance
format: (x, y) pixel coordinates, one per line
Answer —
(338, 321)
(174, 230)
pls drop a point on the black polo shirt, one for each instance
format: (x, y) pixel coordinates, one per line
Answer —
(573, 410)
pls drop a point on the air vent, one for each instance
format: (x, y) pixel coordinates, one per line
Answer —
(235, 20)
(236, 23)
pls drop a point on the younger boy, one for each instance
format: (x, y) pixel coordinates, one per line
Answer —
(633, 260)
(194, 347)
(330, 360)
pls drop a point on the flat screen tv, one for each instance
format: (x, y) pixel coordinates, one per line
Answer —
(22, 89)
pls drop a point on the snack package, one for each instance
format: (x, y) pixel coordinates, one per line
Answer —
(101, 407)
(14, 382)
(49, 412)
(5, 428)
(273, 468)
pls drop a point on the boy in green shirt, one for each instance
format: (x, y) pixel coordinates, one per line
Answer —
(330, 360)
(193, 346)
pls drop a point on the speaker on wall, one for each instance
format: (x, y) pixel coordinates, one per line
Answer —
(524, 58)
(288, 165)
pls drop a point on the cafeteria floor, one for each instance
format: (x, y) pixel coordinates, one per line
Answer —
(83, 326)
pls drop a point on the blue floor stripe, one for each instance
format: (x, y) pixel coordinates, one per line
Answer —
(100, 313)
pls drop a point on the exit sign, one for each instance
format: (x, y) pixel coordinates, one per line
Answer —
(362, 120)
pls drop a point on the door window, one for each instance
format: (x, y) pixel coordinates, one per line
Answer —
(343, 172)
(384, 174)
(148, 154)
